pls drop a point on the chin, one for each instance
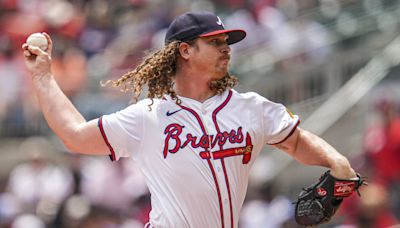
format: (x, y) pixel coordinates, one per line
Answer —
(220, 75)
(222, 71)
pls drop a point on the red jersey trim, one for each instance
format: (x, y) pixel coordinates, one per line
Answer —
(214, 117)
(218, 191)
(219, 108)
(100, 124)
(221, 210)
(197, 117)
(229, 191)
(291, 132)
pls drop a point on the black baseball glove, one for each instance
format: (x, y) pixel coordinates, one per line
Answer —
(319, 202)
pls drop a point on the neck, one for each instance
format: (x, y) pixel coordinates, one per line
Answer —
(193, 85)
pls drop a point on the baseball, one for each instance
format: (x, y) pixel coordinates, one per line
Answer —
(37, 40)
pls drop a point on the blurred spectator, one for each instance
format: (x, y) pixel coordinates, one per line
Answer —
(382, 148)
(9, 208)
(39, 185)
(11, 78)
(100, 177)
(75, 210)
(372, 210)
(70, 71)
(28, 221)
(266, 209)
(382, 142)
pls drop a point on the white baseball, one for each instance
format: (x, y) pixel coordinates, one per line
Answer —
(38, 40)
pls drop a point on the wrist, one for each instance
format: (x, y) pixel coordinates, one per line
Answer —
(341, 169)
(42, 77)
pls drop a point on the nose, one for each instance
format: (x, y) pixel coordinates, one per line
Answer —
(225, 49)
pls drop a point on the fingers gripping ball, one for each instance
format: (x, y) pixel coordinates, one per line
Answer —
(319, 202)
(38, 40)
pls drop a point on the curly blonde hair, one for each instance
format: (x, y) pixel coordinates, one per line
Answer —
(157, 71)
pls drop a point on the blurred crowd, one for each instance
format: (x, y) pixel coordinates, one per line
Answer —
(98, 40)
(379, 205)
(76, 191)
(102, 39)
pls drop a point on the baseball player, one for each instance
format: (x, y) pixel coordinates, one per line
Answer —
(194, 138)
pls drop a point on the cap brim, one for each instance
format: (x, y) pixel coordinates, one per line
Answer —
(235, 35)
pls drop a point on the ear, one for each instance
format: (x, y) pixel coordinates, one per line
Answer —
(184, 50)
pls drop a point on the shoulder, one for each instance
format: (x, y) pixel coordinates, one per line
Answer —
(145, 104)
(248, 96)
(140, 108)
(253, 99)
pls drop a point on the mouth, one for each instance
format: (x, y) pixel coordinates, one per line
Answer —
(226, 57)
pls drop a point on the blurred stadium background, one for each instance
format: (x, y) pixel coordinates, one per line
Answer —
(332, 62)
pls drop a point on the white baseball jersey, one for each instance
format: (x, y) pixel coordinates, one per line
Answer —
(196, 157)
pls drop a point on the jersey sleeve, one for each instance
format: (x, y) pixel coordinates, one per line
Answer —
(122, 131)
(278, 122)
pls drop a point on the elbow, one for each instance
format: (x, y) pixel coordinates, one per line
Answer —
(73, 142)
(71, 146)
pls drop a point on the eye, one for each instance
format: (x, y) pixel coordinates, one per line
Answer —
(214, 42)
(217, 42)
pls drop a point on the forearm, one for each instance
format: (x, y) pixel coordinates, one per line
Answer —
(60, 114)
(310, 149)
(313, 150)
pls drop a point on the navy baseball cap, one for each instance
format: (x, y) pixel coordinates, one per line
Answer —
(191, 25)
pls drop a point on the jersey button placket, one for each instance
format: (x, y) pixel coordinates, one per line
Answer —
(211, 129)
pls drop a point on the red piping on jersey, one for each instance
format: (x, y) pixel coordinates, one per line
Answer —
(291, 132)
(219, 192)
(229, 191)
(197, 117)
(214, 117)
(221, 210)
(100, 124)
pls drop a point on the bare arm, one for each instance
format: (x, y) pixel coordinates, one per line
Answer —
(63, 118)
(310, 149)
